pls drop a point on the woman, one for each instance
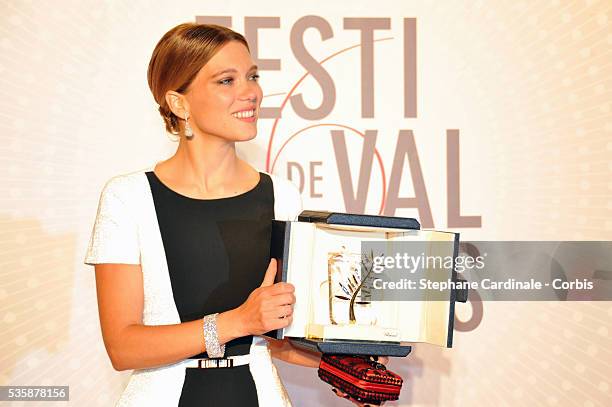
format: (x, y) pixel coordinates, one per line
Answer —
(181, 249)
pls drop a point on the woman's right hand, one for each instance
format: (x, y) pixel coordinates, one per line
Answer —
(268, 307)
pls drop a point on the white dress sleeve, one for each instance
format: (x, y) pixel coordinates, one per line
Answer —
(114, 238)
(287, 199)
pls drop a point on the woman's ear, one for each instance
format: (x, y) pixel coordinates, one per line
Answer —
(177, 103)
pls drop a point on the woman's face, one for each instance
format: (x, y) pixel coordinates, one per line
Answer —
(224, 98)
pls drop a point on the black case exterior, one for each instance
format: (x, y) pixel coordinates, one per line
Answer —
(338, 218)
(279, 249)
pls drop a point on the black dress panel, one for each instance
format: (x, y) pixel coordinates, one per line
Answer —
(217, 252)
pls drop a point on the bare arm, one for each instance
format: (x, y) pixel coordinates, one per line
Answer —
(285, 351)
(132, 345)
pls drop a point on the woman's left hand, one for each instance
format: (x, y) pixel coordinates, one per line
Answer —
(381, 359)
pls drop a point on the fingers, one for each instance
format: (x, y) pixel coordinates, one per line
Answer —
(270, 274)
(268, 281)
(380, 359)
(340, 393)
(278, 323)
(281, 288)
(346, 396)
(282, 299)
(271, 305)
(285, 311)
(278, 312)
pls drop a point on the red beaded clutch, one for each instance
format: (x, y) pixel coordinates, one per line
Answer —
(361, 378)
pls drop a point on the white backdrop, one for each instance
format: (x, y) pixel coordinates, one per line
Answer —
(526, 86)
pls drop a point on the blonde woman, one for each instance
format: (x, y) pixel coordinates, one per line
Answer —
(181, 249)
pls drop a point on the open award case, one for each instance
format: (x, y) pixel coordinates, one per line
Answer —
(321, 255)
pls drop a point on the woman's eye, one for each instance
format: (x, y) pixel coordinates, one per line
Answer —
(229, 81)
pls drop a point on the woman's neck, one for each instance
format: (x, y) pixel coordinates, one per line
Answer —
(206, 164)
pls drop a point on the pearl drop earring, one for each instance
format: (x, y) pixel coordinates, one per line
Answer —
(188, 130)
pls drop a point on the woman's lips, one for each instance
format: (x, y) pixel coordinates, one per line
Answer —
(246, 119)
(243, 115)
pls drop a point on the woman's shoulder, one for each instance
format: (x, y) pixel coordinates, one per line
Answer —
(282, 186)
(287, 198)
(126, 184)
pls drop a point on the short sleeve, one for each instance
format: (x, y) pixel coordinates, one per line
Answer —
(114, 238)
(287, 199)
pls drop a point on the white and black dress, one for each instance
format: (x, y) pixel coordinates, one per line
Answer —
(198, 257)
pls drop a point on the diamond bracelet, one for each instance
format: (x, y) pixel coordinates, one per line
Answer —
(211, 339)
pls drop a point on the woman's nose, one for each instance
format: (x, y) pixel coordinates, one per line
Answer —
(249, 96)
(249, 92)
